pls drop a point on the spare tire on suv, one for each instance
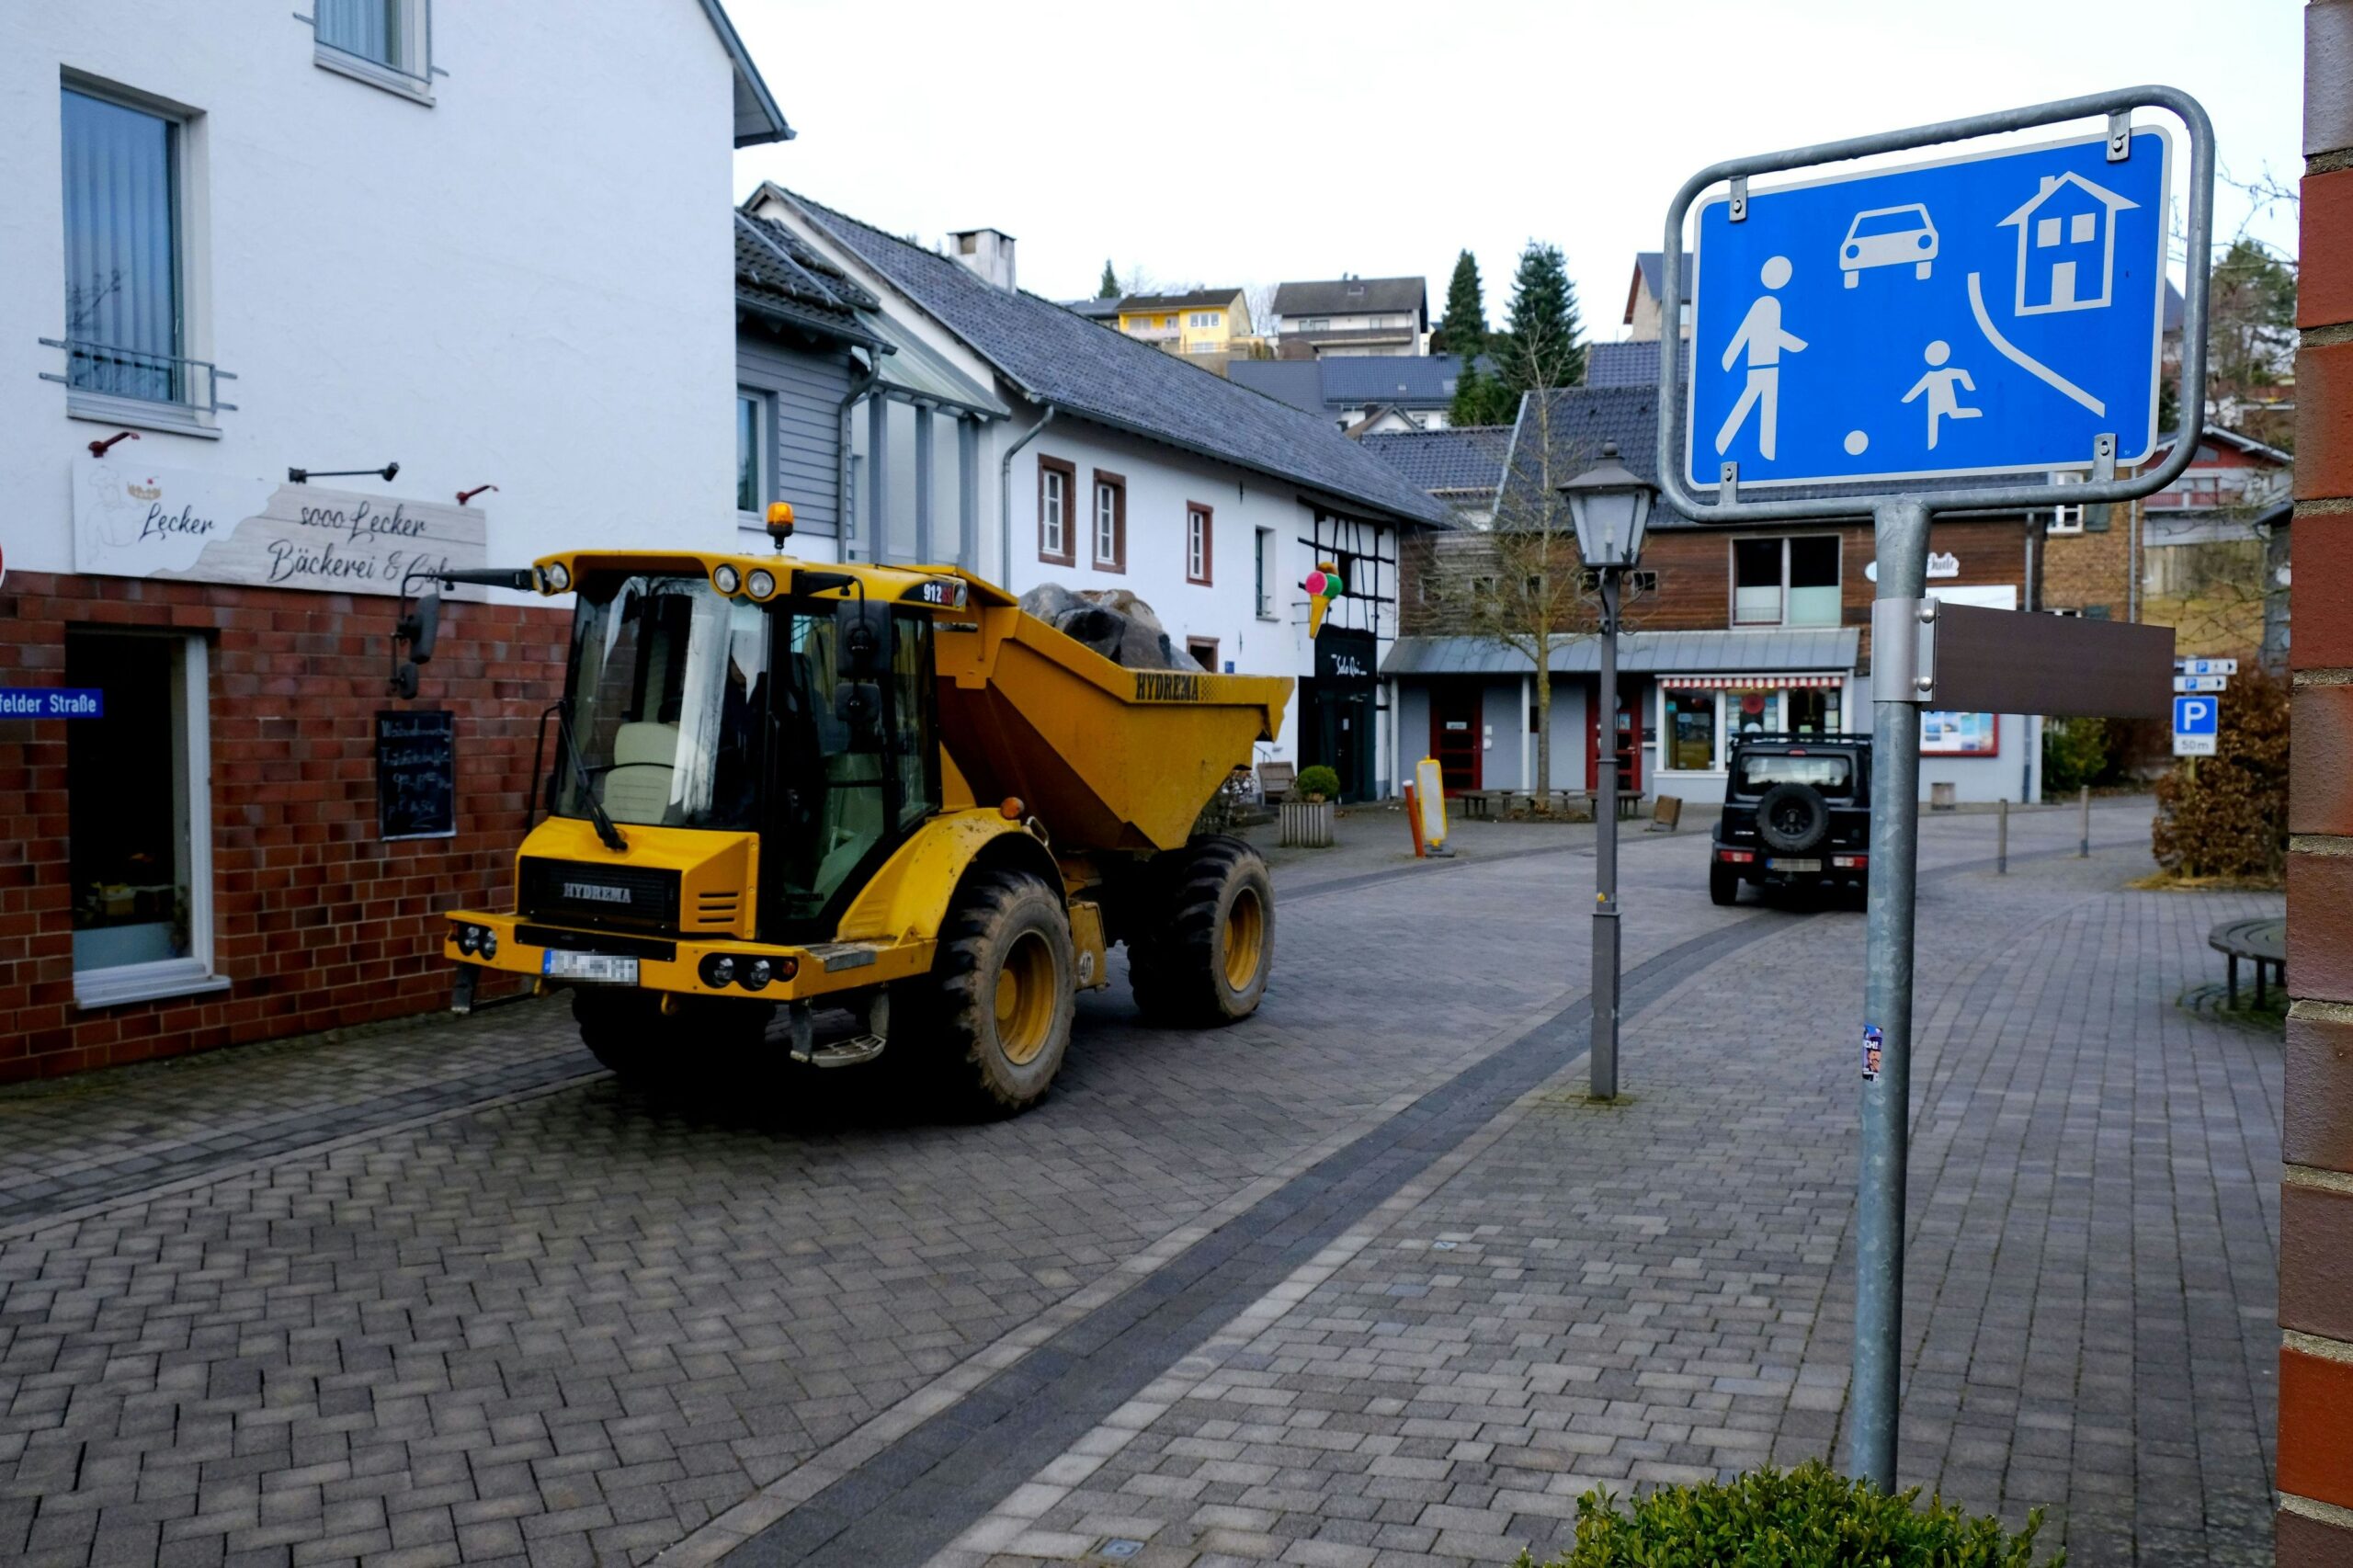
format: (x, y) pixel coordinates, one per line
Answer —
(1792, 818)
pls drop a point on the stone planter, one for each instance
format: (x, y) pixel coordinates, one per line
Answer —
(1307, 824)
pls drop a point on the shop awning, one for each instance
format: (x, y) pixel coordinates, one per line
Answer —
(1761, 681)
(1827, 651)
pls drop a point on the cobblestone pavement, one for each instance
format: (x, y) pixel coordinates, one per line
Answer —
(446, 1293)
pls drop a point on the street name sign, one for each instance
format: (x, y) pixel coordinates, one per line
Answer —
(2196, 724)
(2201, 683)
(1998, 313)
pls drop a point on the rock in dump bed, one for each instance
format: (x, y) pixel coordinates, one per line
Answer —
(1112, 621)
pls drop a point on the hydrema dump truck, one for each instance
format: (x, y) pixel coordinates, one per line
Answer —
(875, 806)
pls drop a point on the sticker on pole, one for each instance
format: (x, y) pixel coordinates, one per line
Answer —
(1993, 314)
(1872, 1043)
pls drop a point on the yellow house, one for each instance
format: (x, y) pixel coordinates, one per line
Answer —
(1205, 321)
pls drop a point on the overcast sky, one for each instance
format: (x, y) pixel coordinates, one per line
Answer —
(1251, 141)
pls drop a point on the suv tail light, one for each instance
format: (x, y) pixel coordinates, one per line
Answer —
(1850, 862)
(1737, 857)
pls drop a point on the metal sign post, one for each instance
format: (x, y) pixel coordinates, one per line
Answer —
(1881, 335)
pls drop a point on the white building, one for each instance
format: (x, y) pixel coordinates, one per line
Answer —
(247, 247)
(1011, 435)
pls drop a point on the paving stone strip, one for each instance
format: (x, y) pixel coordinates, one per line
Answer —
(915, 1497)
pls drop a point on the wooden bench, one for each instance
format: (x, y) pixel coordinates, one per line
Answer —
(2263, 942)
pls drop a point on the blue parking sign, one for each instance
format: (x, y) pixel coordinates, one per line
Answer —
(2195, 715)
(1994, 313)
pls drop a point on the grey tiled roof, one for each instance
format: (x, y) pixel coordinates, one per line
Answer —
(1403, 381)
(772, 265)
(1465, 458)
(1628, 363)
(1299, 382)
(1190, 300)
(1095, 310)
(1055, 356)
(1652, 265)
(1795, 651)
(1351, 296)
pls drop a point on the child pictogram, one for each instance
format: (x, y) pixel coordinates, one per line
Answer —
(1939, 383)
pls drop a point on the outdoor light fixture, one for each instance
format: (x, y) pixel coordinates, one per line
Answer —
(1611, 507)
(465, 496)
(304, 475)
(726, 577)
(98, 448)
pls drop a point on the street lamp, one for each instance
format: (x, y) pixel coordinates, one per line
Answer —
(1610, 506)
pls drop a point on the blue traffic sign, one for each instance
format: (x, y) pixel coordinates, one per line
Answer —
(2195, 715)
(1989, 315)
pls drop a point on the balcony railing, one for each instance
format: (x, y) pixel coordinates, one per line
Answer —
(110, 372)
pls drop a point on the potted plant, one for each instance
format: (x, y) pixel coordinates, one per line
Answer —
(1309, 810)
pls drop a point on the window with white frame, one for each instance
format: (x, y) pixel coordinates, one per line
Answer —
(385, 41)
(1111, 522)
(752, 449)
(1786, 581)
(1199, 542)
(1057, 480)
(1266, 561)
(139, 817)
(126, 316)
(2066, 519)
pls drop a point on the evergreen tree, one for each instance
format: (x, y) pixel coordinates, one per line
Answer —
(1463, 329)
(1110, 287)
(1481, 397)
(1543, 346)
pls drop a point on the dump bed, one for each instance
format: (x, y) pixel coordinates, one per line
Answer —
(1106, 757)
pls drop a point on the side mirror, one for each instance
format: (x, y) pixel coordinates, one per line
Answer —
(861, 638)
(859, 705)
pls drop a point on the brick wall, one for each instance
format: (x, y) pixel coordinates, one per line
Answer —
(317, 923)
(2315, 1479)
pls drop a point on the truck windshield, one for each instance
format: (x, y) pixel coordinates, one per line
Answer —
(669, 694)
(1759, 771)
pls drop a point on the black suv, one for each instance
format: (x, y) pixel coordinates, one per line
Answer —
(1797, 814)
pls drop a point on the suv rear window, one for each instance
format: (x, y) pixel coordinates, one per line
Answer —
(1759, 771)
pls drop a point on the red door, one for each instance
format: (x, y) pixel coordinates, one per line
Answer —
(1455, 736)
(1630, 752)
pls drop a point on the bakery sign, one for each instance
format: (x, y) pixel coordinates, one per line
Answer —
(134, 521)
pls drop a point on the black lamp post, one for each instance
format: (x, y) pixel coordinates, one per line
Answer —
(1610, 506)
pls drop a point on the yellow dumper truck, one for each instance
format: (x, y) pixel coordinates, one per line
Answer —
(880, 802)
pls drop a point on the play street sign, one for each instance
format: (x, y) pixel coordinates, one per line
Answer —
(1993, 314)
(2196, 721)
(2201, 683)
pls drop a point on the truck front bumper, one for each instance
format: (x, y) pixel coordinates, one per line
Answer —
(553, 956)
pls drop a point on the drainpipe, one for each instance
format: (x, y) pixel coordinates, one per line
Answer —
(1005, 498)
(843, 524)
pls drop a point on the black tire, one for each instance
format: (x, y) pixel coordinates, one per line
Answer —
(627, 1030)
(1205, 942)
(996, 1011)
(1723, 884)
(1792, 818)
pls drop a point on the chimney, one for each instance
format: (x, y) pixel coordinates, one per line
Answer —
(988, 252)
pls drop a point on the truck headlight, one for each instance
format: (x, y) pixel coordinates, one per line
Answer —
(726, 578)
(469, 939)
(718, 970)
(761, 582)
(490, 944)
(758, 974)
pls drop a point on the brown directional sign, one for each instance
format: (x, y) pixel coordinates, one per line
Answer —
(2003, 661)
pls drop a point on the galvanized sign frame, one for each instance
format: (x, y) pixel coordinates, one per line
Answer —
(1903, 678)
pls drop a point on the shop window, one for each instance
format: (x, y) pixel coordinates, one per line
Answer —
(1691, 730)
(1812, 710)
(139, 817)
(1752, 712)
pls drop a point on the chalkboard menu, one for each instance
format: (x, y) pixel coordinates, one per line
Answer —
(416, 773)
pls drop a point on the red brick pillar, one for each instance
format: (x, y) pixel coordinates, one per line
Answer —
(2315, 1519)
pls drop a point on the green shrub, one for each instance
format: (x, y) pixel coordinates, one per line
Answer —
(1807, 1518)
(2075, 753)
(1316, 782)
(2226, 815)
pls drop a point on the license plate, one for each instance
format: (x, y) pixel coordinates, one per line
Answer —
(1785, 864)
(603, 968)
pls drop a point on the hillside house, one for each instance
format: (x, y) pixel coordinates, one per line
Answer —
(1345, 317)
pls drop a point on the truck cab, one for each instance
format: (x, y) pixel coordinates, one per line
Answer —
(1796, 815)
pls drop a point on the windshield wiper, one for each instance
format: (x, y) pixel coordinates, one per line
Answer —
(606, 831)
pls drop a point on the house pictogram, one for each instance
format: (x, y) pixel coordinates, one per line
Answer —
(2066, 242)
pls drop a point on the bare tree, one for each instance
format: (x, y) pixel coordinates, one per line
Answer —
(1538, 597)
(1260, 299)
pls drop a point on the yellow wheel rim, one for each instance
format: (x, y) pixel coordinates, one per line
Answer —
(1246, 940)
(1026, 999)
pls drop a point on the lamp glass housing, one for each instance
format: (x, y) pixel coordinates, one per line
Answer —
(1610, 506)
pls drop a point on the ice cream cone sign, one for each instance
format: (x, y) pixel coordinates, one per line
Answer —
(1322, 586)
